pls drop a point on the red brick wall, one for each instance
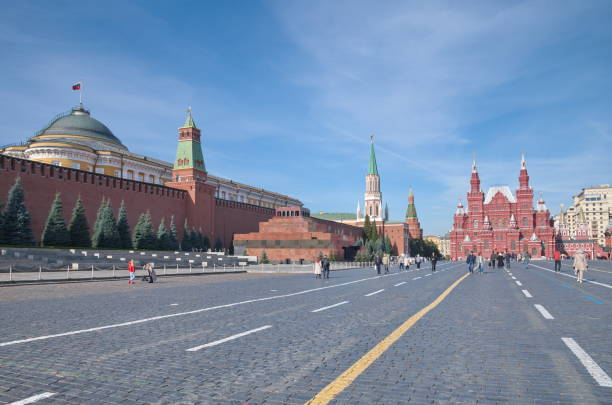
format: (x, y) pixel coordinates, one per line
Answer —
(234, 217)
(42, 181)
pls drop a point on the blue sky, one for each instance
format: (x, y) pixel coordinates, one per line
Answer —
(287, 93)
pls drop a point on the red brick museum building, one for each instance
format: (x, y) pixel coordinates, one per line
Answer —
(500, 221)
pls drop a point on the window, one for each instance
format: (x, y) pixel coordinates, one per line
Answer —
(141, 176)
(56, 163)
(130, 175)
(100, 170)
(525, 221)
(475, 224)
(117, 173)
(76, 166)
(223, 195)
(151, 178)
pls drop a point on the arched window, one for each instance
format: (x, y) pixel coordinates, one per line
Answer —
(475, 224)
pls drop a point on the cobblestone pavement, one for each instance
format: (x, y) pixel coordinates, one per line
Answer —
(254, 338)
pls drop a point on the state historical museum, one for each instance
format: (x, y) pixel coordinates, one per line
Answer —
(501, 221)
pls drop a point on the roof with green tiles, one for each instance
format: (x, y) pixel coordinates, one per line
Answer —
(334, 216)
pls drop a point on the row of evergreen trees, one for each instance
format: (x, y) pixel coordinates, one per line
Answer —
(108, 232)
(374, 244)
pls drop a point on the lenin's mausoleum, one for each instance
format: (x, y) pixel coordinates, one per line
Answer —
(500, 221)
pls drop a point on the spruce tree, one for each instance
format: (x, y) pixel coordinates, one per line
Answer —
(186, 243)
(105, 229)
(195, 243)
(172, 235)
(388, 247)
(123, 227)
(163, 236)
(218, 244)
(205, 243)
(367, 231)
(264, 258)
(55, 232)
(143, 236)
(17, 222)
(78, 228)
(374, 231)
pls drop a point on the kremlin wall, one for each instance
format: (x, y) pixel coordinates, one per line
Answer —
(78, 156)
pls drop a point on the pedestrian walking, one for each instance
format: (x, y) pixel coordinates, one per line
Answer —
(325, 267)
(492, 259)
(406, 262)
(557, 257)
(580, 265)
(507, 260)
(132, 271)
(526, 257)
(479, 263)
(377, 263)
(500, 260)
(434, 260)
(317, 268)
(471, 259)
(385, 260)
(417, 259)
(400, 261)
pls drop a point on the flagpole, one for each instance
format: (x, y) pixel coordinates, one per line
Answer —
(81, 94)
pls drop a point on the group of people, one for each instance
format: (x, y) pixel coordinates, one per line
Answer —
(321, 267)
(476, 262)
(150, 277)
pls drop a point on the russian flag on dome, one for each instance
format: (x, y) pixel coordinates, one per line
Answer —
(76, 86)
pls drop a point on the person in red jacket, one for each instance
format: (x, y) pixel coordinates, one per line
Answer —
(132, 270)
(557, 257)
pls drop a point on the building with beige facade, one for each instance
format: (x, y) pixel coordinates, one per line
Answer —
(592, 206)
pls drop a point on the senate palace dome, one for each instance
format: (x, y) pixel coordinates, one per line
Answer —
(77, 140)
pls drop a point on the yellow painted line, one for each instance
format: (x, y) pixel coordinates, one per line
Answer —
(346, 378)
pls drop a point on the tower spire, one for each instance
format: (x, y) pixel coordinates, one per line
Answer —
(372, 167)
(474, 167)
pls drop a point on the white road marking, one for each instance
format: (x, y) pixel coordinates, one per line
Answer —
(33, 398)
(427, 275)
(513, 278)
(527, 294)
(375, 292)
(593, 368)
(273, 290)
(196, 311)
(568, 275)
(543, 311)
(173, 305)
(398, 284)
(416, 278)
(519, 283)
(227, 339)
(330, 306)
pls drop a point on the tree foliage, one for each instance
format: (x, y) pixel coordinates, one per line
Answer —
(55, 232)
(264, 258)
(17, 223)
(143, 236)
(218, 244)
(123, 227)
(186, 243)
(172, 235)
(105, 234)
(163, 236)
(78, 227)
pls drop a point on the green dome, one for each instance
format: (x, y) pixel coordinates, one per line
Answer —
(79, 123)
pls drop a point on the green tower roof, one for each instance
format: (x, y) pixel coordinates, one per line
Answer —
(372, 168)
(411, 210)
(189, 123)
